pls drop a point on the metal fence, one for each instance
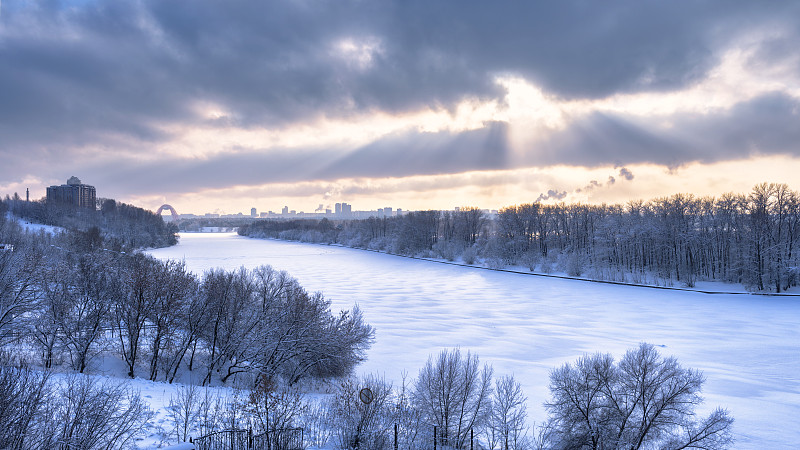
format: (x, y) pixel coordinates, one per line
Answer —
(281, 439)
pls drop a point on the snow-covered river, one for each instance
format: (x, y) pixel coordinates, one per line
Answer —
(747, 346)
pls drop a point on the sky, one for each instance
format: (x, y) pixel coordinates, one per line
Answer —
(220, 106)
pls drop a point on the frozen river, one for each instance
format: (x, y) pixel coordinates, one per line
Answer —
(747, 346)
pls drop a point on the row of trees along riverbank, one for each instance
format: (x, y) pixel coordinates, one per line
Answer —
(750, 238)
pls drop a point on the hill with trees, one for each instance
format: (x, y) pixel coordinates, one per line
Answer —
(114, 225)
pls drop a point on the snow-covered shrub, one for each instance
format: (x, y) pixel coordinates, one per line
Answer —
(316, 422)
(356, 424)
(549, 263)
(289, 235)
(184, 409)
(24, 398)
(274, 405)
(530, 259)
(492, 248)
(377, 244)
(446, 250)
(575, 264)
(90, 413)
(210, 412)
(493, 262)
(470, 255)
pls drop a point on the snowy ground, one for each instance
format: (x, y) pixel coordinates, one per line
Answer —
(34, 227)
(748, 346)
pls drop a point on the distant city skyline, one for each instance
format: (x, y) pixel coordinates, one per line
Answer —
(226, 106)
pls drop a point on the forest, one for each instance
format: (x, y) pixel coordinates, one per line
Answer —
(751, 239)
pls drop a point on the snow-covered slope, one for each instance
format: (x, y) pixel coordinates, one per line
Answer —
(34, 227)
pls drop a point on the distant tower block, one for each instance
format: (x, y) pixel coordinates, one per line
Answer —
(171, 210)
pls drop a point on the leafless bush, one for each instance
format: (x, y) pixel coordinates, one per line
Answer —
(93, 414)
(413, 430)
(210, 412)
(273, 405)
(469, 255)
(316, 421)
(184, 409)
(24, 396)
(360, 425)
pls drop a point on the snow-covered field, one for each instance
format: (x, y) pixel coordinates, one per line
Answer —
(747, 346)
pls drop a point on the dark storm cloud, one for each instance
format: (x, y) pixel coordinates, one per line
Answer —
(78, 72)
(763, 126)
(175, 175)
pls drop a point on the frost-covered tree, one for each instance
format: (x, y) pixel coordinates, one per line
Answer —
(87, 298)
(131, 309)
(453, 391)
(507, 424)
(644, 401)
(20, 270)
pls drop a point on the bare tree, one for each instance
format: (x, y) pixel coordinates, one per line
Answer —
(131, 309)
(54, 297)
(507, 425)
(19, 271)
(88, 301)
(171, 289)
(645, 401)
(413, 430)
(453, 392)
(193, 317)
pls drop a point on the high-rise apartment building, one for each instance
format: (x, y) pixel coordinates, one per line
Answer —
(73, 193)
